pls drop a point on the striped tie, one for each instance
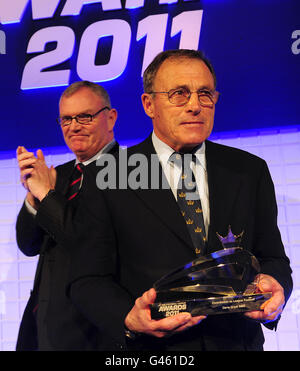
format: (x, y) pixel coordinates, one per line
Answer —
(75, 181)
(189, 202)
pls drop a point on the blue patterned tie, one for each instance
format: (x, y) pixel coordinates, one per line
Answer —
(189, 202)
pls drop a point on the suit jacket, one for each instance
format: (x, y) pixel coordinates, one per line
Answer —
(140, 235)
(50, 321)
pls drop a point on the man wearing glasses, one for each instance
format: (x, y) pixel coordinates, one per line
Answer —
(50, 321)
(147, 234)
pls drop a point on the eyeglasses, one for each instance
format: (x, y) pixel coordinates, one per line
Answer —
(82, 118)
(181, 96)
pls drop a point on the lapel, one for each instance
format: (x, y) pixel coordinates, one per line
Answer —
(114, 149)
(63, 176)
(62, 182)
(161, 201)
(224, 185)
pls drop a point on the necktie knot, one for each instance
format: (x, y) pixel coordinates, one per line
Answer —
(80, 167)
(182, 160)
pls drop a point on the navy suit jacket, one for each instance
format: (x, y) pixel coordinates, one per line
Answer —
(132, 237)
(50, 321)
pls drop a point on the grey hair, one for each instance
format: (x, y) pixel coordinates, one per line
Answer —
(97, 89)
(151, 70)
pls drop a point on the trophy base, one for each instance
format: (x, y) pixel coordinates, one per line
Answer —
(210, 306)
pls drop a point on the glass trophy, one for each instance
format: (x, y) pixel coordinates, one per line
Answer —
(217, 283)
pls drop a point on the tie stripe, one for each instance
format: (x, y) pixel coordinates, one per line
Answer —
(75, 181)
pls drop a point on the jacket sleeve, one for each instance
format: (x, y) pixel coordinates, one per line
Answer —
(28, 233)
(269, 248)
(268, 243)
(53, 215)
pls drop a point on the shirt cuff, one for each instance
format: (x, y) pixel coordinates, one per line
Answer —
(30, 208)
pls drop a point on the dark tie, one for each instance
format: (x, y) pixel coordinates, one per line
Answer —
(189, 202)
(75, 181)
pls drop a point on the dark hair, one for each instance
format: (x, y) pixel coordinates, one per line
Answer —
(97, 89)
(151, 70)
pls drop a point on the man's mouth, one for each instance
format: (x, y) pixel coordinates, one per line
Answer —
(192, 123)
(77, 136)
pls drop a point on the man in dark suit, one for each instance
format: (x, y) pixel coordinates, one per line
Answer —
(50, 321)
(141, 233)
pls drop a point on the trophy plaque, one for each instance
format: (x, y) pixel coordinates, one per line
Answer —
(217, 283)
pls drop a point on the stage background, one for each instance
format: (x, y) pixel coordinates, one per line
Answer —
(255, 48)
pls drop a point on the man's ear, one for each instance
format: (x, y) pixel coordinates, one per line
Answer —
(112, 118)
(147, 101)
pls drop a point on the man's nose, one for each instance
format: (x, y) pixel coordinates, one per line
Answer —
(74, 125)
(194, 103)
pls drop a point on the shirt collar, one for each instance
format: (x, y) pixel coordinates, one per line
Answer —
(164, 151)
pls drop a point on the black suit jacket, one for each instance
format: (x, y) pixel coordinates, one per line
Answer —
(50, 321)
(140, 235)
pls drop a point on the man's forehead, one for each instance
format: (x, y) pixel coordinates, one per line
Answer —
(177, 62)
(183, 72)
(83, 99)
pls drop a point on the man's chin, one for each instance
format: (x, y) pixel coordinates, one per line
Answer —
(78, 151)
(196, 136)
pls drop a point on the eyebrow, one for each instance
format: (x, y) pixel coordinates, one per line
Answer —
(86, 112)
(204, 87)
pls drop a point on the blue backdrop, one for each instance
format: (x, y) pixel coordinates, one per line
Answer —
(254, 46)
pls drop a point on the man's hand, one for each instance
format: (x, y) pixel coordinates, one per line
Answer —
(25, 161)
(273, 307)
(139, 319)
(36, 177)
